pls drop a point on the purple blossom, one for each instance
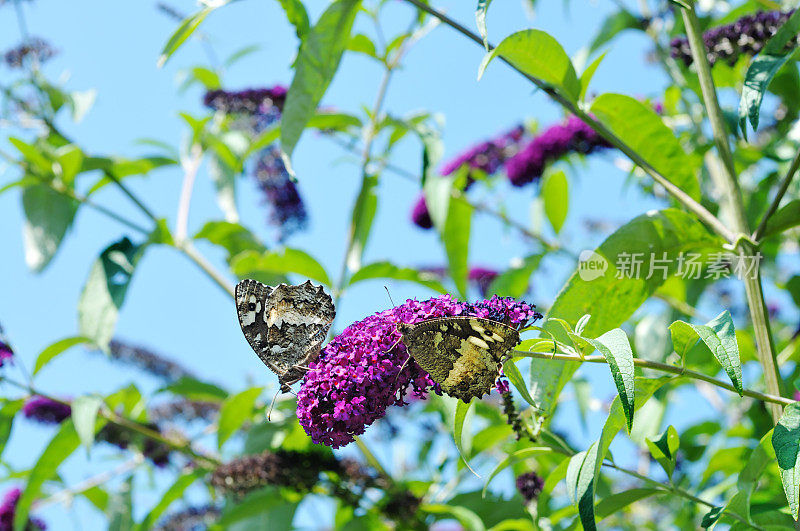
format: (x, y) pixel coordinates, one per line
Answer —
(363, 370)
(9, 508)
(487, 157)
(746, 36)
(287, 210)
(482, 278)
(530, 485)
(45, 410)
(34, 48)
(6, 353)
(248, 101)
(557, 141)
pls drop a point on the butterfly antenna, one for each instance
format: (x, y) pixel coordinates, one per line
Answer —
(403, 366)
(390, 296)
(271, 405)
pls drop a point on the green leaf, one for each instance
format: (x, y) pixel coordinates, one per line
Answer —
(361, 221)
(787, 217)
(587, 291)
(235, 410)
(284, 261)
(317, 62)
(580, 485)
(297, 16)
(515, 281)
(614, 24)
(362, 44)
(616, 349)
(480, 21)
(462, 410)
(455, 238)
(538, 55)
(616, 502)
(173, 493)
(759, 75)
(786, 442)
(720, 338)
(555, 193)
(48, 216)
(266, 502)
(61, 446)
(588, 74)
(664, 448)
(224, 179)
(184, 31)
(7, 415)
(69, 162)
(53, 350)
(519, 455)
(636, 124)
(515, 377)
(232, 237)
(105, 289)
(465, 516)
(84, 417)
(196, 390)
(389, 270)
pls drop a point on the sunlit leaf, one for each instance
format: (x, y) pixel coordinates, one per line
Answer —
(786, 442)
(54, 349)
(235, 410)
(616, 349)
(48, 216)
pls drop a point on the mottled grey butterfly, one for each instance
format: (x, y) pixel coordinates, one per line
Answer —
(285, 325)
(462, 354)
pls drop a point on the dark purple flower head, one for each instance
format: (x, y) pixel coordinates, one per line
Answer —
(249, 101)
(282, 468)
(287, 211)
(147, 360)
(6, 353)
(487, 156)
(482, 277)
(34, 48)
(363, 370)
(746, 36)
(123, 438)
(420, 214)
(530, 484)
(46, 411)
(9, 508)
(190, 519)
(557, 141)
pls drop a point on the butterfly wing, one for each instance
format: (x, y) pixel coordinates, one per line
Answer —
(460, 353)
(285, 325)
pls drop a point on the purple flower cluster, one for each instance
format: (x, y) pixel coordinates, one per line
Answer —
(156, 451)
(746, 36)
(530, 484)
(6, 354)
(364, 370)
(147, 360)
(34, 48)
(486, 158)
(262, 108)
(287, 209)
(190, 519)
(555, 142)
(9, 508)
(248, 101)
(282, 468)
(45, 410)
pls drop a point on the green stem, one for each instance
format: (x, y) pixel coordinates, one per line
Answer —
(192, 254)
(663, 367)
(369, 457)
(682, 197)
(755, 298)
(787, 180)
(125, 190)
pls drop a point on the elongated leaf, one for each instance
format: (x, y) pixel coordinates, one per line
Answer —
(519, 455)
(462, 410)
(555, 193)
(539, 55)
(465, 516)
(786, 442)
(61, 446)
(720, 338)
(787, 217)
(616, 349)
(361, 221)
(516, 280)
(391, 271)
(663, 234)
(184, 31)
(173, 493)
(84, 417)
(614, 24)
(456, 242)
(580, 485)
(616, 502)
(297, 16)
(7, 414)
(235, 410)
(232, 237)
(48, 216)
(663, 448)
(105, 289)
(196, 390)
(53, 350)
(224, 179)
(281, 262)
(480, 20)
(588, 74)
(515, 377)
(643, 130)
(265, 503)
(317, 62)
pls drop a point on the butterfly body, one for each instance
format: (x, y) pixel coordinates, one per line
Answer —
(461, 354)
(285, 325)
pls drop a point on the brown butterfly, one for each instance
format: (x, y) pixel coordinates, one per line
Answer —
(462, 354)
(285, 325)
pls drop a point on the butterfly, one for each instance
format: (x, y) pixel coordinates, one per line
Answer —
(462, 354)
(285, 325)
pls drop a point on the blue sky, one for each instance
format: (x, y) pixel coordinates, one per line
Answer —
(113, 47)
